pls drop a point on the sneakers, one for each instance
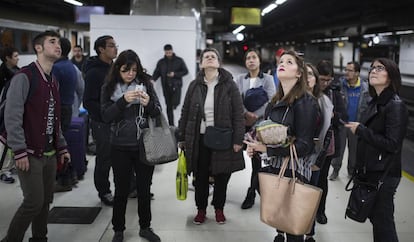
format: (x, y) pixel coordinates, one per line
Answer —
(200, 217)
(7, 178)
(149, 234)
(220, 218)
(108, 199)
(334, 175)
(118, 237)
(249, 200)
(321, 218)
(279, 238)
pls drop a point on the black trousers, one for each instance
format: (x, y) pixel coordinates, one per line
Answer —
(201, 181)
(125, 162)
(172, 100)
(323, 183)
(254, 178)
(101, 133)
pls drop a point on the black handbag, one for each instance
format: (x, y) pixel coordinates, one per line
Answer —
(218, 138)
(363, 196)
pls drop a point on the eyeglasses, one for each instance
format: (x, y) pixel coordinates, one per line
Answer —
(112, 46)
(377, 68)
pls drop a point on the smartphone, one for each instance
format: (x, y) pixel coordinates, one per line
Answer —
(139, 87)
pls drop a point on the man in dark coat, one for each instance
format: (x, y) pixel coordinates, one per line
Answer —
(171, 69)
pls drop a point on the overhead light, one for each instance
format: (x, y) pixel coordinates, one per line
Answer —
(74, 2)
(240, 37)
(376, 40)
(385, 34)
(268, 9)
(238, 29)
(278, 2)
(405, 32)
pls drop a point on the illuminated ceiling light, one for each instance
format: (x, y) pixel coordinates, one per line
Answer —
(74, 2)
(268, 9)
(405, 32)
(278, 2)
(376, 40)
(240, 37)
(385, 34)
(369, 35)
(238, 29)
(344, 38)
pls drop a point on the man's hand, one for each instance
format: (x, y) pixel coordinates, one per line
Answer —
(170, 74)
(23, 164)
(64, 158)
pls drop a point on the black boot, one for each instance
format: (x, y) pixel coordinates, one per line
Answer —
(249, 200)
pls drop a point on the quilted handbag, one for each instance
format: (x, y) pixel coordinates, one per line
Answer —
(287, 203)
(271, 133)
(158, 143)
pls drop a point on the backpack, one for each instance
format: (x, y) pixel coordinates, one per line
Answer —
(3, 96)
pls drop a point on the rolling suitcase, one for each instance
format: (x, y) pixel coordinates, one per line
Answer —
(75, 138)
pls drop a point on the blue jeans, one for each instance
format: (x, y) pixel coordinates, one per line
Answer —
(382, 216)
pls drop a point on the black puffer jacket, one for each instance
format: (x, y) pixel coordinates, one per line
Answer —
(301, 120)
(228, 113)
(381, 133)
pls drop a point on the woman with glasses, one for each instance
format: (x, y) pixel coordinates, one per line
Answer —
(212, 99)
(380, 137)
(128, 97)
(332, 89)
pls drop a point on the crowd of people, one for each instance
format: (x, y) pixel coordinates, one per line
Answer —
(322, 115)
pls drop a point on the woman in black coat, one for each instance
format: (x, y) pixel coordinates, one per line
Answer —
(380, 138)
(128, 97)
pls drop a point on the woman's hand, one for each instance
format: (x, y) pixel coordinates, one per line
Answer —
(131, 96)
(255, 146)
(352, 126)
(237, 148)
(144, 98)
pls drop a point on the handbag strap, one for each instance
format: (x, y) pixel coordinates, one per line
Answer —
(380, 181)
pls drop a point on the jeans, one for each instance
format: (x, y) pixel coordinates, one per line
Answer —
(339, 148)
(101, 133)
(323, 184)
(37, 185)
(201, 181)
(127, 161)
(382, 216)
(254, 178)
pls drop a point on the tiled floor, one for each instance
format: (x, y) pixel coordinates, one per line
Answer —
(172, 219)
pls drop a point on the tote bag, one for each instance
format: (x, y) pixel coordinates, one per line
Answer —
(158, 143)
(286, 203)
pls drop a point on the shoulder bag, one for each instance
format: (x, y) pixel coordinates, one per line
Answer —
(287, 203)
(158, 143)
(363, 196)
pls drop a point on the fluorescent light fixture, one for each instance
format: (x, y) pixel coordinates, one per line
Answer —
(344, 38)
(369, 35)
(385, 34)
(268, 9)
(74, 2)
(405, 32)
(278, 2)
(238, 29)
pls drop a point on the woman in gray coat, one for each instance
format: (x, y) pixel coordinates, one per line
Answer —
(212, 99)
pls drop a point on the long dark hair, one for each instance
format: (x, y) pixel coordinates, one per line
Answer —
(300, 87)
(128, 58)
(394, 75)
(316, 92)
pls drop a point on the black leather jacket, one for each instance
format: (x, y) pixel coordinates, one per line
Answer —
(381, 134)
(301, 120)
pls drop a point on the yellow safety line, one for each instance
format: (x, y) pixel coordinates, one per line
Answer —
(408, 176)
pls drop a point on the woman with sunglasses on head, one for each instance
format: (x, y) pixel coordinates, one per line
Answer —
(128, 98)
(380, 137)
(295, 107)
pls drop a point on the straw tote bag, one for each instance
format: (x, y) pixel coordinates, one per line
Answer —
(287, 203)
